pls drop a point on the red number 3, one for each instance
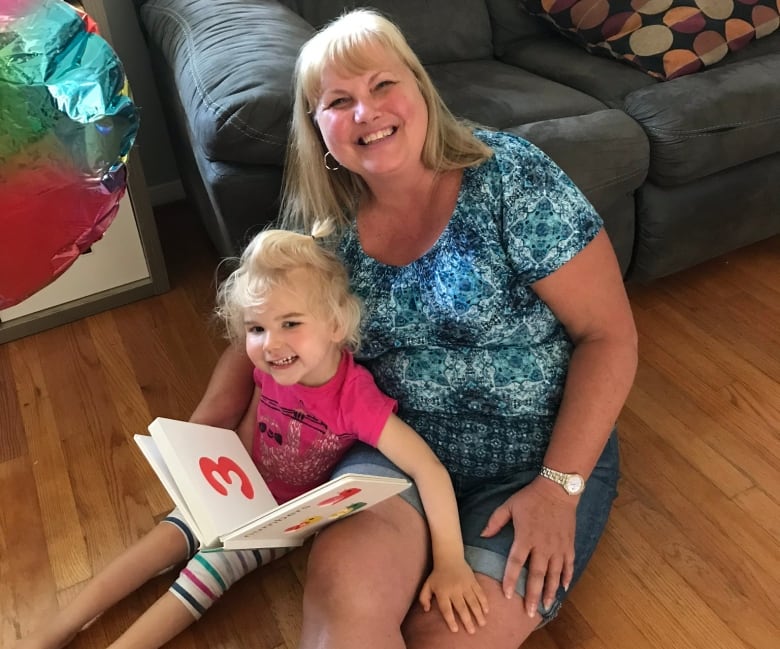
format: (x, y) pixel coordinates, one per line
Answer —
(223, 467)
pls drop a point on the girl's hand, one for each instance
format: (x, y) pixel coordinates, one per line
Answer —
(456, 591)
(543, 516)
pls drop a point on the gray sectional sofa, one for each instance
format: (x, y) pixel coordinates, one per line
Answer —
(680, 170)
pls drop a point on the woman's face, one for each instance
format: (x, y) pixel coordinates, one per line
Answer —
(374, 122)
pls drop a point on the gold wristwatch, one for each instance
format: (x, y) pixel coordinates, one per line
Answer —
(572, 483)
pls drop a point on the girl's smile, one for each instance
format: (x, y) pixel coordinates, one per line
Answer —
(289, 340)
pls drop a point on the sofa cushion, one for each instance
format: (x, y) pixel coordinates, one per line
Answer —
(512, 24)
(437, 30)
(711, 121)
(665, 38)
(238, 117)
(501, 95)
(561, 60)
(681, 226)
(605, 153)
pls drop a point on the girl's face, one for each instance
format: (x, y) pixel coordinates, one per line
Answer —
(374, 122)
(287, 340)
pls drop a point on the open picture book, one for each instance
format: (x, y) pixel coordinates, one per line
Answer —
(212, 479)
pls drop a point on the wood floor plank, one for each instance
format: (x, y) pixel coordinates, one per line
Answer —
(284, 594)
(9, 626)
(30, 588)
(88, 423)
(725, 425)
(696, 449)
(762, 508)
(543, 639)
(722, 593)
(599, 598)
(759, 424)
(635, 599)
(52, 487)
(121, 384)
(640, 545)
(12, 440)
(570, 629)
(694, 500)
(689, 502)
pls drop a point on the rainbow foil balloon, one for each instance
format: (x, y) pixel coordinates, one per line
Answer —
(66, 126)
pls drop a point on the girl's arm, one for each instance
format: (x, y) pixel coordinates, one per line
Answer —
(452, 581)
(229, 391)
(246, 428)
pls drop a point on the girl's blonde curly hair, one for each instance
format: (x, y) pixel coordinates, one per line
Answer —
(266, 263)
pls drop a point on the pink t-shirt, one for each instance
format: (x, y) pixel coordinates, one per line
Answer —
(302, 432)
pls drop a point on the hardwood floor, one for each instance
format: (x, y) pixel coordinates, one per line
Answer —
(691, 556)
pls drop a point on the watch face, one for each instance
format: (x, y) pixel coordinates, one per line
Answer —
(574, 484)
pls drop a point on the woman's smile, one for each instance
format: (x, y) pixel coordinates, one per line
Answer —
(376, 136)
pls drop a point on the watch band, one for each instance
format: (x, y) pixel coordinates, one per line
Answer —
(572, 483)
(551, 474)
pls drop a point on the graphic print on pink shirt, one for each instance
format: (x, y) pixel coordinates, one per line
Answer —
(302, 456)
(303, 431)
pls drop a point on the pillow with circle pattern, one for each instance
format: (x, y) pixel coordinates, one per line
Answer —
(664, 38)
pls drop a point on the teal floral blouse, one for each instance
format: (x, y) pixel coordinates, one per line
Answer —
(475, 359)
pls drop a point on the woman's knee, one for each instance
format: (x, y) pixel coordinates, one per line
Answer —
(373, 556)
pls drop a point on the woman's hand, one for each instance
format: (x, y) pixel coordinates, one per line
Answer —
(456, 591)
(544, 519)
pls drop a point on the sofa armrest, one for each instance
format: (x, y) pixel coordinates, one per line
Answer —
(233, 62)
(716, 119)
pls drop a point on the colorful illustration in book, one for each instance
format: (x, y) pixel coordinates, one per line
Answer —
(352, 507)
(342, 495)
(303, 523)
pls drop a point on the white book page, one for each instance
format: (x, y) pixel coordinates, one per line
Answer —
(215, 475)
(149, 449)
(291, 523)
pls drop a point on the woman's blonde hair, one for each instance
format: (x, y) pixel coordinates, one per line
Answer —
(267, 262)
(313, 193)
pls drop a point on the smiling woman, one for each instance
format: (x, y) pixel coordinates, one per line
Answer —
(494, 311)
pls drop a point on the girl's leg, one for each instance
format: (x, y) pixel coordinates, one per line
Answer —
(364, 573)
(205, 578)
(160, 548)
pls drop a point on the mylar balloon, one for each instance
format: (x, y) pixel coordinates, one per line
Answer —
(66, 126)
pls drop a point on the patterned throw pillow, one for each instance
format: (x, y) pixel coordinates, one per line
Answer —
(665, 38)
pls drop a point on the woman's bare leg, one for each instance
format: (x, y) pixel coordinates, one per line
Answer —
(507, 626)
(160, 548)
(364, 573)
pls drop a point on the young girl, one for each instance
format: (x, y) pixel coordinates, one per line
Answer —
(289, 302)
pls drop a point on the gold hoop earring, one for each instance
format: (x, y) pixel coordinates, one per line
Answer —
(327, 166)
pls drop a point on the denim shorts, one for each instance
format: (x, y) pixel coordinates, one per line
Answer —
(479, 497)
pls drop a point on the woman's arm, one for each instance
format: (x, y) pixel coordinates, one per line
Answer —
(229, 391)
(452, 581)
(588, 296)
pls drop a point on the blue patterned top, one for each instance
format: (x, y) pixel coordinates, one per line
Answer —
(475, 359)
